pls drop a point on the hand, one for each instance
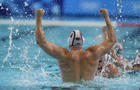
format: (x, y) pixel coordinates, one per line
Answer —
(39, 12)
(104, 12)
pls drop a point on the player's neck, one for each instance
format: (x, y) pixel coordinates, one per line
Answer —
(76, 48)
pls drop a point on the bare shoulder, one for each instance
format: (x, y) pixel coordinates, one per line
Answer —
(92, 51)
(92, 48)
(64, 52)
(96, 47)
(54, 50)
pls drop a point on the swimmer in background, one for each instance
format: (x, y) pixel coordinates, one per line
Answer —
(125, 64)
(115, 53)
(77, 64)
(106, 69)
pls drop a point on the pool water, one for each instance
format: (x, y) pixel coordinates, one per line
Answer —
(24, 65)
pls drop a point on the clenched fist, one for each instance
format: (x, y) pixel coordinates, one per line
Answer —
(39, 12)
(104, 12)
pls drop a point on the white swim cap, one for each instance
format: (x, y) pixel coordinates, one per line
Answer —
(75, 38)
(118, 47)
(137, 59)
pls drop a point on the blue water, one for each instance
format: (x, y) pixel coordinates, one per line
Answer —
(23, 65)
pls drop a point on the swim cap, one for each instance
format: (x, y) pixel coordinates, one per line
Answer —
(118, 47)
(137, 59)
(75, 38)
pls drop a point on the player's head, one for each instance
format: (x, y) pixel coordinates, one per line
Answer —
(118, 48)
(75, 38)
(137, 58)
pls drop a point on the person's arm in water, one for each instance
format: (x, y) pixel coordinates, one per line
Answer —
(120, 61)
(110, 71)
(124, 64)
(106, 45)
(51, 49)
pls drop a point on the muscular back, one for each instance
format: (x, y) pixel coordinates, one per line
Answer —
(75, 64)
(78, 65)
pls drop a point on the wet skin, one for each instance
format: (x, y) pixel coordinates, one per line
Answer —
(76, 64)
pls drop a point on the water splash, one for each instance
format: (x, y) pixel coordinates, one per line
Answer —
(10, 45)
(36, 56)
(24, 55)
(137, 51)
(26, 4)
(7, 9)
(12, 19)
(119, 7)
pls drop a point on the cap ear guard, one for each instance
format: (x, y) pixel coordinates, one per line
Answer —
(75, 38)
(70, 39)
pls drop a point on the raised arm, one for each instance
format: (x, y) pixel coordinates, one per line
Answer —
(104, 31)
(106, 45)
(110, 31)
(51, 49)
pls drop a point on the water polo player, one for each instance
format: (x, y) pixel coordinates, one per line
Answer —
(76, 64)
